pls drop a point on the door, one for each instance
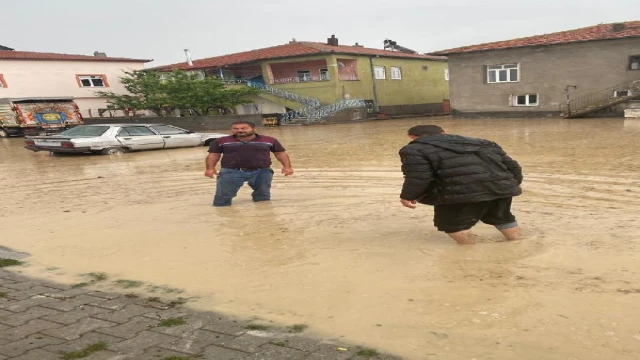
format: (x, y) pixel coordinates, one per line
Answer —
(139, 138)
(175, 137)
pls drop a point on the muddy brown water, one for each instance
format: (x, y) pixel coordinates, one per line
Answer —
(336, 251)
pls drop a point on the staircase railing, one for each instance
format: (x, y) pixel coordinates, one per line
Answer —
(599, 98)
(284, 94)
(328, 110)
(311, 110)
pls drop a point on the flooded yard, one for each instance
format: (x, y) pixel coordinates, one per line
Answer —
(336, 251)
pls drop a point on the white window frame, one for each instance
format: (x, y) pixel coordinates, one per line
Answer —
(514, 100)
(396, 73)
(91, 78)
(622, 93)
(306, 76)
(498, 69)
(379, 72)
(324, 74)
(446, 74)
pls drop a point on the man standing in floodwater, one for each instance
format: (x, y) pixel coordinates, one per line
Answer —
(246, 157)
(467, 180)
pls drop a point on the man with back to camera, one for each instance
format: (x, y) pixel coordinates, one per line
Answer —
(246, 157)
(467, 180)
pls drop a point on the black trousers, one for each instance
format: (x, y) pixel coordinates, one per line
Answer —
(452, 218)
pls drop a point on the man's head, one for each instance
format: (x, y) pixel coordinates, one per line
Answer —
(424, 130)
(243, 128)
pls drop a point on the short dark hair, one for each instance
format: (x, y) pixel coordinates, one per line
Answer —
(424, 130)
(253, 126)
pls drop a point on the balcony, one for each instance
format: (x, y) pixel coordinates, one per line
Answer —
(301, 78)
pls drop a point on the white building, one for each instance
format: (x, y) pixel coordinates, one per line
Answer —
(43, 75)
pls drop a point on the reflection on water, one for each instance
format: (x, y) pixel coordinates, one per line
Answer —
(335, 250)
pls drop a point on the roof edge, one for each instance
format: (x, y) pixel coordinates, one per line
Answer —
(446, 53)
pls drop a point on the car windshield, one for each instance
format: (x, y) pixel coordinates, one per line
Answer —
(87, 131)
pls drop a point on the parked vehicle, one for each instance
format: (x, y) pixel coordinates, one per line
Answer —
(35, 116)
(110, 139)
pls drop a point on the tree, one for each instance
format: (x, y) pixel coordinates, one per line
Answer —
(163, 93)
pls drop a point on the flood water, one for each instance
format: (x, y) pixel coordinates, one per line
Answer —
(336, 251)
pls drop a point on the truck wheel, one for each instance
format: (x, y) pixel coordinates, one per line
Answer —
(4, 133)
(113, 151)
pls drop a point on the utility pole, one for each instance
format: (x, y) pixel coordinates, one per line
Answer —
(376, 108)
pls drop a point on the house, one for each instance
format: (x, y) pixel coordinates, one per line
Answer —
(571, 73)
(312, 75)
(26, 74)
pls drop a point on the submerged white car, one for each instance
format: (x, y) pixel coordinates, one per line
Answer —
(119, 138)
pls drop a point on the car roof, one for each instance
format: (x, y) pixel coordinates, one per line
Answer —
(121, 125)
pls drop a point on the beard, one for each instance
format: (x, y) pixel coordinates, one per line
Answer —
(245, 133)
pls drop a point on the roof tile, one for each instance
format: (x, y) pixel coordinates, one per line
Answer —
(28, 55)
(288, 50)
(592, 33)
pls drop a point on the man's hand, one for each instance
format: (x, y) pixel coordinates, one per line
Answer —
(286, 171)
(411, 204)
(211, 173)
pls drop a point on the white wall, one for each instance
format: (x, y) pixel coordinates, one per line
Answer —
(53, 78)
(260, 106)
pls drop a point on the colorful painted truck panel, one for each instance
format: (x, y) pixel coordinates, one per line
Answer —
(36, 116)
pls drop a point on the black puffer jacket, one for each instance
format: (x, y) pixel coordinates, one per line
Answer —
(451, 169)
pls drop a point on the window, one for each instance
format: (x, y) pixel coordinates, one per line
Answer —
(168, 130)
(85, 130)
(379, 72)
(198, 74)
(446, 74)
(396, 73)
(324, 74)
(622, 93)
(92, 81)
(135, 131)
(634, 62)
(525, 100)
(3, 83)
(304, 75)
(502, 73)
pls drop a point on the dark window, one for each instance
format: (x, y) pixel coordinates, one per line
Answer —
(324, 74)
(525, 100)
(634, 62)
(138, 131)
(168, 130)
(85, 130)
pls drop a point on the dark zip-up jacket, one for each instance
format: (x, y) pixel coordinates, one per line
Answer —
(452, 169)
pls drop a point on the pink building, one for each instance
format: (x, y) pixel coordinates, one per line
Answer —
(47, 75)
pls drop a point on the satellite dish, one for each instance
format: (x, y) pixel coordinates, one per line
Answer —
(340, 64)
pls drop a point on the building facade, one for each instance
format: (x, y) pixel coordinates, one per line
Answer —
(299, 73)
(535, 76)
(46, 75)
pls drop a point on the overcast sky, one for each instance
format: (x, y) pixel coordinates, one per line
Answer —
(161, 29)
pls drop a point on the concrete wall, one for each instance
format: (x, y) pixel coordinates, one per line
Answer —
(194, 123)
(260, 105)
(413, 109)
(545, 71)
(52, 78)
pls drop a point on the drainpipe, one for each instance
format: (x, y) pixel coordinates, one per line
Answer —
(375, 86)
